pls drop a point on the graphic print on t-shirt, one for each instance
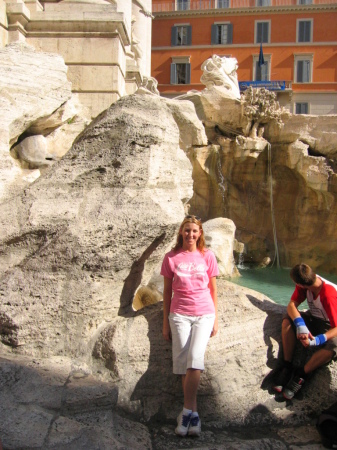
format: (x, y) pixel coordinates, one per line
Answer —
(191, 270)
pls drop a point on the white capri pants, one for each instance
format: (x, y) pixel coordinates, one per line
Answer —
(190, 335)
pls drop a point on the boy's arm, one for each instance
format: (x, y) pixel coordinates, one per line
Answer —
(302, 332)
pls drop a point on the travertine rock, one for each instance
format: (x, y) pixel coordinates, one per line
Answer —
(235, 387)
(33, 152)
(39, 87)
(98, 223)
(219, 236)
(319, 132)
(35, 98)
(233, 180)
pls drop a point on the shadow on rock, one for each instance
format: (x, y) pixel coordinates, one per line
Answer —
(57, 404)
(318, 391)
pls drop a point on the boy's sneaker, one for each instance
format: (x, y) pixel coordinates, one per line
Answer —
(293, 387)
(183, 422)
(282, 379)
(195, 426)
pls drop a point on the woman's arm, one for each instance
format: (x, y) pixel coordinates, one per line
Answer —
(167, 296)
(214, 295)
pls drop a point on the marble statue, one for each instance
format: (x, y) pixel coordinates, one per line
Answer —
(221, 71)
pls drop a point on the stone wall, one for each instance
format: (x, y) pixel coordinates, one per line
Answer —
(106, 46)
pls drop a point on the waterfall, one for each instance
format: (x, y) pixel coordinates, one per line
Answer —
(276, 257)
(221, 179)
(218, 182)
(241, 261)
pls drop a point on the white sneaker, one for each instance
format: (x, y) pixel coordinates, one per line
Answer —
(195, 426)
(183, 422)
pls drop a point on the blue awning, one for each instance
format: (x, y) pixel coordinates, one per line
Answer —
(270, 85)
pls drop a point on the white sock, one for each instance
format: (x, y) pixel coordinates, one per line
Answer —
(195, 414)
(186, 412)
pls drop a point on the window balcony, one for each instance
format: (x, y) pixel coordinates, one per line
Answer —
(196, 5)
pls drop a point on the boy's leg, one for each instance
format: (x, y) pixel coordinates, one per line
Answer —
(322, 356)
(283, 376)
(288, 339)
(318, 359)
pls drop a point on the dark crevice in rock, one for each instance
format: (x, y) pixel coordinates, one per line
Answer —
(134, 278)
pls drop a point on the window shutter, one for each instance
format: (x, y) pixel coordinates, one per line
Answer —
(262, 32)
(259, 33)
(189, 35)
(173, 74)
(188, 73)
(264, 72)
(230, 34)
(214, 36)
(304, 31)
(174, 36)
(265, 32)
(307, 26)
(301, 32)
(257, 71)
(306, 71)
(299, 71)
(301, 108)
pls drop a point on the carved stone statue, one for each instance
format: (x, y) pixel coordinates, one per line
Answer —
(221, 71)
(149, 85)
(261, 107)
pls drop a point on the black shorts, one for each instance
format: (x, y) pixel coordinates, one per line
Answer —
(317, 326)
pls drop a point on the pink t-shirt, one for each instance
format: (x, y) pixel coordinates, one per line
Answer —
(191, 272)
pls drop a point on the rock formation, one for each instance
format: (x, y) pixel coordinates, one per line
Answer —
(280, 190)
(36, 105)
(80, 254)
(98, 224)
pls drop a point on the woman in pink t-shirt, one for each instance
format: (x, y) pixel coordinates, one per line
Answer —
(190, 314)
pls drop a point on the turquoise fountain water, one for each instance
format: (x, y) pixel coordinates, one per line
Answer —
(273, 282)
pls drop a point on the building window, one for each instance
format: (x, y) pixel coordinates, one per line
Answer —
(223, 4)
(263, 2)
(181, 70)
(304, 30)
(222, 33)
(262, 31)
(183, 5)
(305, 2)
(262, 73)
(303, 68)
(181, 35)
(301, 108)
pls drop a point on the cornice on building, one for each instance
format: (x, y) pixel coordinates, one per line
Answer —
(54, 25)
(249, 45)
(246, 11)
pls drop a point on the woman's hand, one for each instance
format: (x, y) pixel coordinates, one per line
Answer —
(215, 327)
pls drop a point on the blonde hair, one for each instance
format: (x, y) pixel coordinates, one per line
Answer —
(201, 245)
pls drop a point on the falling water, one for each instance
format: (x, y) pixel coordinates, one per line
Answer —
(221, 179)
(276, 257)
(216, 175)
(241, 260)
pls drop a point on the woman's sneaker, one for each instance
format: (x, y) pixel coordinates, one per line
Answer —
(293, 387)
(282, 379)
(183, 422)
(195, 426)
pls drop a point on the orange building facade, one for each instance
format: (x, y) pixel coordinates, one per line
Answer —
(298, 37)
